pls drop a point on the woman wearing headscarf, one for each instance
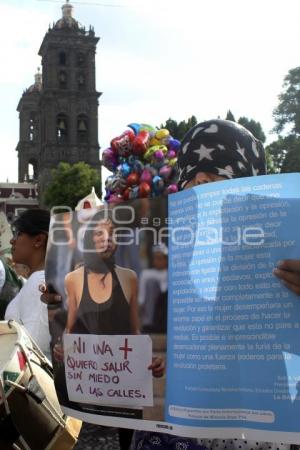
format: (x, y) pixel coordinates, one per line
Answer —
(212, 151)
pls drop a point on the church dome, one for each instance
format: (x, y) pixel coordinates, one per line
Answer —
(37, 85)
(67, 21)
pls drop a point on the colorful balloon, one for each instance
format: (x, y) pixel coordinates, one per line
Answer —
(114, 198)
(171, 154)
(122, 144)
(140, 143)
(162, 133)
(132, 179)
(146, 176)
(134, 192)
(158, 184)
(145, 126)
(125, 170)
(138, 166)
(135, 127)
(165, 172)
(143, 161)
(158, 155)
(118, 184)
(144, 190)
(172, 189)
(172, 162)
(154, 141)
(109, 159)
(127, 194)
(174, 144)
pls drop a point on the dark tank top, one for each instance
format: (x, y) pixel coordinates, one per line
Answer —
(110, 317)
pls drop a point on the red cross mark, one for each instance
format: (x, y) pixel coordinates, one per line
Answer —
(125, 349)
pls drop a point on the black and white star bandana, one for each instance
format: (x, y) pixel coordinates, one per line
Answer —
(220, 147)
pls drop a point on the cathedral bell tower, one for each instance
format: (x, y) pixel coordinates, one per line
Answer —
(67, 107)
(29, 144)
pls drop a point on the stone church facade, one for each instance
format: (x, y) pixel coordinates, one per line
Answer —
(59, 112)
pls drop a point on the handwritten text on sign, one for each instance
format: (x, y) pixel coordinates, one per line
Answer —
(110, 370)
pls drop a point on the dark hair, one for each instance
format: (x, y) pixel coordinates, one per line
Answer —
(92, 260)
(33, 222)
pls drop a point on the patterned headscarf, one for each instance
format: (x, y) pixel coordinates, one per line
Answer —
(220, 147)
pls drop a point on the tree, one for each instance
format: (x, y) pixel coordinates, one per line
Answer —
(287, 113)
(254, 127)
(286, 149)
(286, 153)
(271, 168)
(230, 116)
(70, 183)
(178, 130)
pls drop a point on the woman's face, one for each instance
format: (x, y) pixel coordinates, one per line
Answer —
(203, 177)
(22, 247)
(103, 238)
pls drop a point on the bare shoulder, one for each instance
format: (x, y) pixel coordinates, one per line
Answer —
(128, 273)
(73, 276)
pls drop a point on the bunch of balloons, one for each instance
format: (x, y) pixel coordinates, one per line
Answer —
(143, 161)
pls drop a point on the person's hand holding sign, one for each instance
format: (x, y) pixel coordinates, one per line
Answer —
(288, 271)
(157, 367)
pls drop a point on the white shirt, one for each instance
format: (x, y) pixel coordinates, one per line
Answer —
(27, 309)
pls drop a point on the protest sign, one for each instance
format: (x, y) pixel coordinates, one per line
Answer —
(233, 328)
(109, 369)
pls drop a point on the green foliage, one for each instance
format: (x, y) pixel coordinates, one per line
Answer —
(271, 168)
(287, 113)
(178, 130)
(286, 153)
(254, 127)
(286, 149)
(230, 116)
(70, 183)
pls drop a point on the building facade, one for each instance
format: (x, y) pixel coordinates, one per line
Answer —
(15, 198)
(59, 112)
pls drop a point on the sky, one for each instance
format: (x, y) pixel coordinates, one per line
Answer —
(158, 59)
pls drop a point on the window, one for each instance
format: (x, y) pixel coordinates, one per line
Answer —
(31, 127)
(62, 58)
(82, 128)
(61, 128)
(32, 170)
(62, 79)
(81, 81)
(80, 60)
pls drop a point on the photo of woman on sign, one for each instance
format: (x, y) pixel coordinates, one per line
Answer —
(102, 296)
(101, 300)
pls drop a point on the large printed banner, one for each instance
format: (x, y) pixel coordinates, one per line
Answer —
(233, 347)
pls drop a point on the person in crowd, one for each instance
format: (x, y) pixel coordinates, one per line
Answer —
(153, 291)
(212, 151)
(29, 242)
